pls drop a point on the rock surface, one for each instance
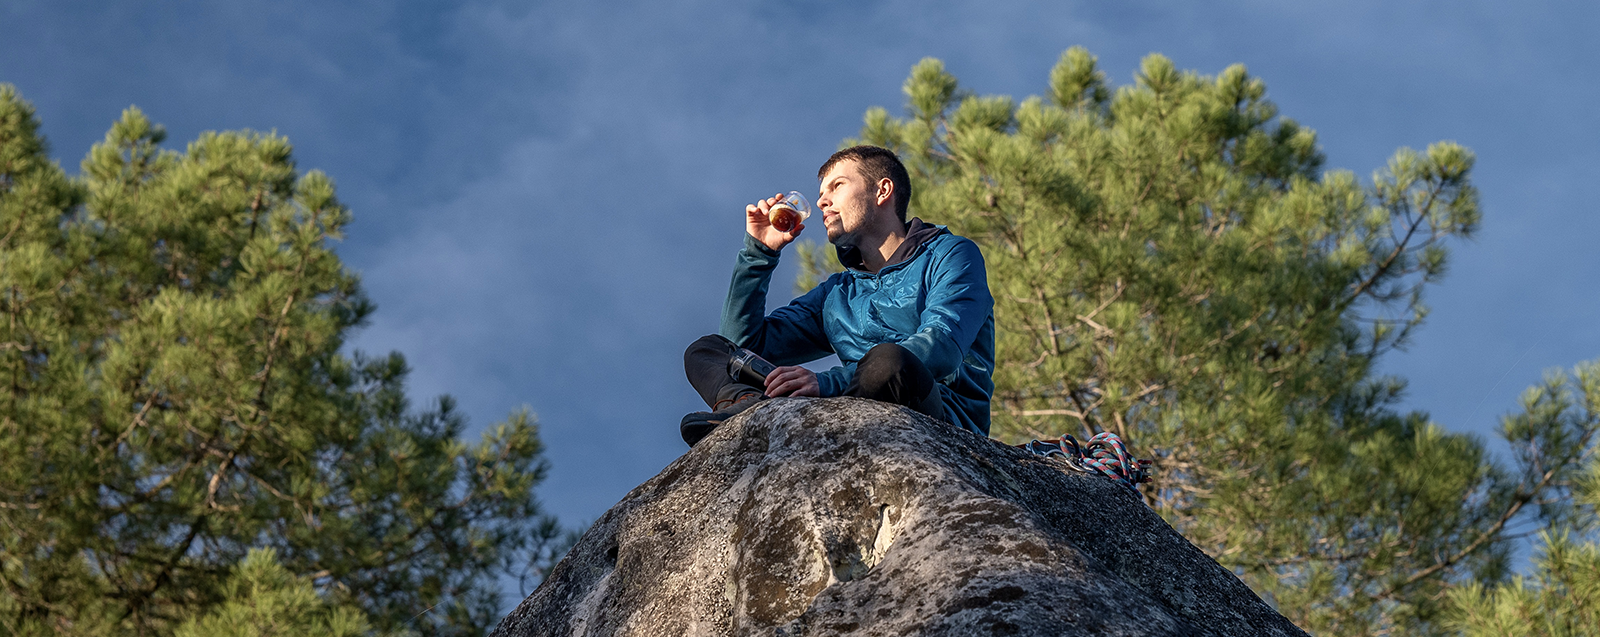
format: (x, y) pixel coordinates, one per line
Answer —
(845, 516)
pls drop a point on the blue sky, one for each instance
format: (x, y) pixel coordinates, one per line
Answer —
(548, 196)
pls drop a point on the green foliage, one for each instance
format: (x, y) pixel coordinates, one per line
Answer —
(1562, 598)
(1171, 263)
(1076, 82)
(265, 600)
(172, 396)
(1562, 595)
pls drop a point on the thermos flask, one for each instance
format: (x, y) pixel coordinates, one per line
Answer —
(750, 369)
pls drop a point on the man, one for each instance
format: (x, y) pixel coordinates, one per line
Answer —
(910, 318)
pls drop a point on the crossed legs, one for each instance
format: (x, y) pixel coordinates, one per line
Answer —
(888, 373)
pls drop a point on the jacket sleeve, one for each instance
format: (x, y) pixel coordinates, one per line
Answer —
(833, 381)
(792, 334)
(958, 305)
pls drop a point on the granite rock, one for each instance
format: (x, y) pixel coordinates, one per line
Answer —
(845, 516)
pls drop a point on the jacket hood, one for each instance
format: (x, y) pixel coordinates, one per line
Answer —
(917, 235)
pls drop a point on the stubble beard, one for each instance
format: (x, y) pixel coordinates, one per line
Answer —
(837, 238)
(846, 238)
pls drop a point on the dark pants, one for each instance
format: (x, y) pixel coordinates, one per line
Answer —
(888, 373)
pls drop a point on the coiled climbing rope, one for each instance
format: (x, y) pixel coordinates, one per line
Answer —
(1104, 454)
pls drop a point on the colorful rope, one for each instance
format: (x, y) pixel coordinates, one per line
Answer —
(1105, 454)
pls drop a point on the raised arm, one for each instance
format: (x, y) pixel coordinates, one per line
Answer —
(793, 333)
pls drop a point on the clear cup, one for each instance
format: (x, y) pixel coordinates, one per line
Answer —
(790, 211)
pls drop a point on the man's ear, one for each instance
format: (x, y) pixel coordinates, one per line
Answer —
(885, 191)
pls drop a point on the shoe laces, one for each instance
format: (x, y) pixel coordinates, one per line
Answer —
(730, 402)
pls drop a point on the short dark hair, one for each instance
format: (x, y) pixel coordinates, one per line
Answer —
(876, 164)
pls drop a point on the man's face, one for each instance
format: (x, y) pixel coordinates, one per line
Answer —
(845, 199)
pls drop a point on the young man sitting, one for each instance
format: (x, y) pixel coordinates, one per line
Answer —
(911, 317)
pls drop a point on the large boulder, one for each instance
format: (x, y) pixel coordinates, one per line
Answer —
(845, 516)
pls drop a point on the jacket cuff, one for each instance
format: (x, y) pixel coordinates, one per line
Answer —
(751, 245)
(832, 382)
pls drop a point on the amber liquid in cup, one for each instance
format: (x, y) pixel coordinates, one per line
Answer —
(789, 212)
(783, 218)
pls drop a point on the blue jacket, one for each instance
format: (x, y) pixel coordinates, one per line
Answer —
(933, 299)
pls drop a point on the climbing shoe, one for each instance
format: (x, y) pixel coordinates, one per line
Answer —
(699, 424)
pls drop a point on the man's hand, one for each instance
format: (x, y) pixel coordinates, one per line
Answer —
(792, 381)
(759, 225)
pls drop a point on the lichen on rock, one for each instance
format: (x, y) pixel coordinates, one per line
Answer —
(845, 516)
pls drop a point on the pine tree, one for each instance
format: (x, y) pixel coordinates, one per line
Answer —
(172, 395)
(1561, 597)
(264, 599)
(1171, 263)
